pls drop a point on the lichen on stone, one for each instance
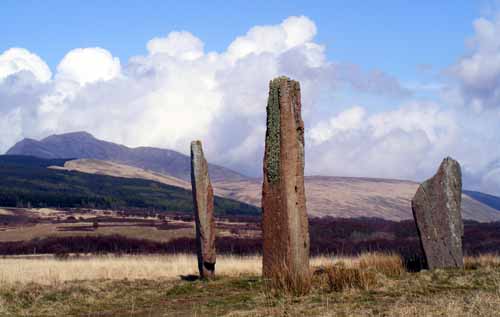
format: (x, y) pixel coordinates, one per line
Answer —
(273, 131)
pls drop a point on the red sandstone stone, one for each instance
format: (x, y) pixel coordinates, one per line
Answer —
(285, 224)
(203, 199)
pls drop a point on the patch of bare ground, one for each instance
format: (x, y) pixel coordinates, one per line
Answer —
(162, 286)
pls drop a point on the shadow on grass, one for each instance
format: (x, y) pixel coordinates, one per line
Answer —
(189, 278)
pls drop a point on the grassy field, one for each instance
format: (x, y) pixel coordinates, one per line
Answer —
(369, 285)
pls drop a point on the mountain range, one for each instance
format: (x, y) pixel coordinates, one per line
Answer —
(79, 145)
(326, 195)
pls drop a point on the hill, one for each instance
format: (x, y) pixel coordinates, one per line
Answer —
(326, 196)
(487, 199)
(120, 170)
(26, 181)
(84, 145)
(358, 197)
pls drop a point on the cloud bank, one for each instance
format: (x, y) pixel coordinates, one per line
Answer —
(177, 92)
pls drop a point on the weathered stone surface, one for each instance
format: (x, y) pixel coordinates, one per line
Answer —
(203, 199)
(285, 224)
(437, 212)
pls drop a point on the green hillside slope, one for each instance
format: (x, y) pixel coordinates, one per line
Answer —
(26, 181)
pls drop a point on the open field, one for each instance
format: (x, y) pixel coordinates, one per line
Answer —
(19, 224)
(162, 286)
(39, 231)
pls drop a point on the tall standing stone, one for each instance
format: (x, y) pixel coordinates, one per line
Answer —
(203, 199)
(437, 212)
(285, 224)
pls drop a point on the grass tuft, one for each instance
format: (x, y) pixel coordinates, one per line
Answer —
(482, 261)
(341, 278)
(284, 282)
(387, 264)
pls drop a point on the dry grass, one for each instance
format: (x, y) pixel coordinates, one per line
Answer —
(341, 278)
(284, 281)
(361, 272)
(46, 271)
(52, 271)
(388, 264)
(485, 261)
(370, 285)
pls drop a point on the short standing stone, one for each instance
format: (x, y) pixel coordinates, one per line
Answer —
(203, 199)
(437, 213)
(285, 224)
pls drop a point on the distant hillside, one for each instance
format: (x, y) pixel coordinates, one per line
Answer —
(489, 200)
(84, 145)
(26, 181)
(357, 197)
(120, 170)
(325, 196)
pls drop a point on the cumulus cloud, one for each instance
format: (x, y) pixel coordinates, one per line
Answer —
(183, 45)
(404, 143)
(408, 142)
(349, 120)
(16, 60)
(178, 92)
(88, 65)
(478, 72)
(292, 32)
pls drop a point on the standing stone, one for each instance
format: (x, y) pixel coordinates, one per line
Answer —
(203, 200)
(437, 213)
(285, 224)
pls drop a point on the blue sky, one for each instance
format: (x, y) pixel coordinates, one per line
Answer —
(395, 36)
(389, 88)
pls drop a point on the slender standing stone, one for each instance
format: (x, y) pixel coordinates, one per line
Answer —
(284, 224)
(437, 213)
(203, 200)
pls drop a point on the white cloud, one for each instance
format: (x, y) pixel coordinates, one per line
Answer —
(16, 60)
(292, 32)
(183, 45)
(404, 143)
(299, 30)
(490, 181)
(478, 72)
(88, 65)
(11, 126)
(177, 92)
(348, 120)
